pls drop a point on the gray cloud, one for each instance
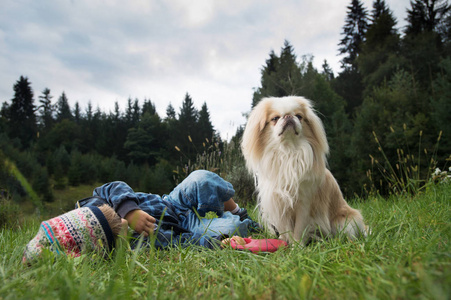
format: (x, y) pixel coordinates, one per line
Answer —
(107, 51)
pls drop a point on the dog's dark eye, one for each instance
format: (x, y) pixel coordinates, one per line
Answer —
(299, 117)
(275, 119)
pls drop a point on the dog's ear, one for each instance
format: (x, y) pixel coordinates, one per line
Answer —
(251, 141)
(319, 139)
(259, 115)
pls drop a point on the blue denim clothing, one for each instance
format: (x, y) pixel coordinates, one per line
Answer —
(178, 213)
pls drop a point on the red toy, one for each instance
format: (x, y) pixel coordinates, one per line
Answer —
(259, 245)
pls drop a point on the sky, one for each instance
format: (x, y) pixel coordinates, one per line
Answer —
(107, 51)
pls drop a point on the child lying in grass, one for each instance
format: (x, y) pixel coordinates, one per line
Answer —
(178, 218)
(84, 230)
(174, 219)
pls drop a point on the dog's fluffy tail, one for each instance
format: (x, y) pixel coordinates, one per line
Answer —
(350, 222)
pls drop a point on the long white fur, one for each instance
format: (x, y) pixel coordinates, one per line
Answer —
(297, 194)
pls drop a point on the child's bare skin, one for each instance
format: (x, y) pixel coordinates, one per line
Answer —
(239, 240)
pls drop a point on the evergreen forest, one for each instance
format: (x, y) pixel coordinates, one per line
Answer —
(386, 114)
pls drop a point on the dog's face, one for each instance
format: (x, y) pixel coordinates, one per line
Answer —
(282, 123)
(286, 121)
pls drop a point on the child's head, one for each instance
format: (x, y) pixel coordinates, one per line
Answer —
(81, 230)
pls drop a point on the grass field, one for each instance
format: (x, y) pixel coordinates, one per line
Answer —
(407, 256)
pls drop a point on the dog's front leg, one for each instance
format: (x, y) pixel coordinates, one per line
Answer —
(302, 228)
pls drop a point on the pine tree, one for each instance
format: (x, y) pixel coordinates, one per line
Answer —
(148, 107)
(95, 127)
(77, 113)
(4, 116)
(143, 141)
(187, 125)
(327, 71)
(379, 8)
(289, 70)
(268, 85)
(22, 118)
(383, 24)
(188, 115)
(136, 114)
(63, 110)
(87, 127)
(89, 112)
(129, 113)
(117, 112)
(349, 82)
(280, 77)
(170, 112)
(172, 138)
(426, 15)
(379, 58)
(206, 130)
(423, 44)
(46, 110)
(354, 34)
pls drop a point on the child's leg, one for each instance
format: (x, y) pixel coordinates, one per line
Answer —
(234, 208)
(230, 205)
(203, 191)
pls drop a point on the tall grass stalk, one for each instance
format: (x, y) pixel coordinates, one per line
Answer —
(227, 161)
(405, 174)
(212, 157)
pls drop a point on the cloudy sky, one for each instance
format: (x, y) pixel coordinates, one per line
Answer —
(106, 51)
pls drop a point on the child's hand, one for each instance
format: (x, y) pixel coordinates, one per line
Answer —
(239, 240)
(124, 227)
(141, 222)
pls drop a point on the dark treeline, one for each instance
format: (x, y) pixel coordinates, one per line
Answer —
(55, 144)
(384, 110)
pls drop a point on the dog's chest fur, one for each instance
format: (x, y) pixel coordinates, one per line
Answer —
(286, 182)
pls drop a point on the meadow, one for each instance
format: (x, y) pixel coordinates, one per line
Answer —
(407, 256)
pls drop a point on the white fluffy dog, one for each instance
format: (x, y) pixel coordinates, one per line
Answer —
(285, 145)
